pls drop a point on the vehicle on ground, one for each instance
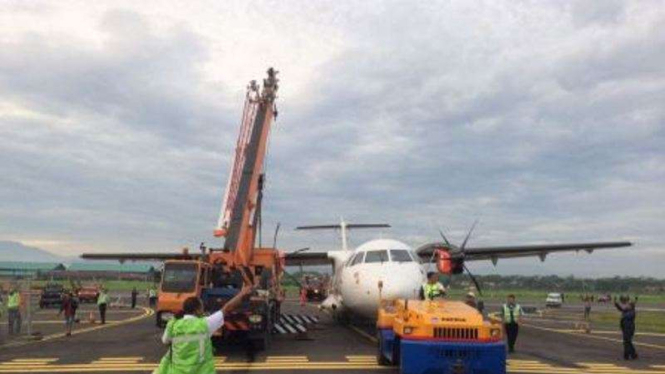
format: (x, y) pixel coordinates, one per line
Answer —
(51, 296)
(315, 288)
(605, 298)
(217, 274)
(88, 294)
(438, 336)
(553, 300)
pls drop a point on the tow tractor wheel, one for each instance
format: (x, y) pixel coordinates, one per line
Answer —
(396, 351)
(380, 358)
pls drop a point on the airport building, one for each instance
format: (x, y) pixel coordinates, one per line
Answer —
(10, 269)
(53, 270)
(83, 270)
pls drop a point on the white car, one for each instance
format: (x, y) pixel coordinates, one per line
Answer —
(553, 300)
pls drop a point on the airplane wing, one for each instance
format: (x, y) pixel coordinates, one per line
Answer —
(291, 259)
(307, 259)
(536, 250)
(122, 257)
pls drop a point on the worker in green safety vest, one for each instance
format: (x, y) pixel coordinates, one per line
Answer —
(432, 289)
(188, 334)
(102, 304)
(512, 316)
(14, 312)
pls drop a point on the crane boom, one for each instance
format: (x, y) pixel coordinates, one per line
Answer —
(237, 220)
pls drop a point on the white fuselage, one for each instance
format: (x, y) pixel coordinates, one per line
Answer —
(378, 269)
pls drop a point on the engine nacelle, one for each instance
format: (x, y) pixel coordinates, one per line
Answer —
(448, 264)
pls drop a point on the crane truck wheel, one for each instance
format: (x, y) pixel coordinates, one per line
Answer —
(262, 342)
(159, 321)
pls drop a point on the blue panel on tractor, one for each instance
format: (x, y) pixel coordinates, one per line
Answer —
(446, 357)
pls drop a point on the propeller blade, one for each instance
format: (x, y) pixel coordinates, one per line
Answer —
(475, 281)
(468, 236)
(274, 240)
(444, 238)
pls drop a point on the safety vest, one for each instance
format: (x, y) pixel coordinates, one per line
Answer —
(191, 348)
(14, 300)
(431, 290)
(517, 310)
(152, 293)
(103, 298)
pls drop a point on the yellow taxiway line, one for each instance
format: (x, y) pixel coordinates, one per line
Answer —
(147, 312)
(356, 363)
(582, 334)
(363, 334)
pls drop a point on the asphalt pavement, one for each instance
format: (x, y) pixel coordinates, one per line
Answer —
(132, 344)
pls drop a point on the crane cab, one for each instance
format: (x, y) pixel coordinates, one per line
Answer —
(181, 279)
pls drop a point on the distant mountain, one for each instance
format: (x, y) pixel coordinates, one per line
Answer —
(15, 251)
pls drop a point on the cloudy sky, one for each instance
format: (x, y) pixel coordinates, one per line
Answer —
(545, 120)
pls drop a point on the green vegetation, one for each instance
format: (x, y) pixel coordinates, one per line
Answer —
(646, 321)
(535, 288)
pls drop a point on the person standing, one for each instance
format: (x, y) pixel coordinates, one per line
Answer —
(432, 288)
(134, 294)
(102, 304)
(587, 307)
(512, 313)
(152, 297)
(627, 324)
(14, 312)
(188, 335)
(68, 306)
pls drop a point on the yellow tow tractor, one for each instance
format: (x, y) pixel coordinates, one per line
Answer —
(439, 336)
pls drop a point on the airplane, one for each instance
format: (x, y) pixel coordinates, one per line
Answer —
(390, 269)
(384, 269)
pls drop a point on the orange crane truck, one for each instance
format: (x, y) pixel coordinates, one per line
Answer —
(217, 274)
(220, 273)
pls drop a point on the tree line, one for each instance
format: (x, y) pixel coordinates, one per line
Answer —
(570, 283)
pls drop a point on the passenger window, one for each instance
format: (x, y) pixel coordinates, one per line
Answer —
(376, 256)
(400, 255)
(358, 259)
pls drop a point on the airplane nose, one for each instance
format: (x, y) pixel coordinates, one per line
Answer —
(401, 282)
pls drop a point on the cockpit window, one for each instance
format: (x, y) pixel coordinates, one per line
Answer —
(376, 256)
(400, 255)
(358, 258)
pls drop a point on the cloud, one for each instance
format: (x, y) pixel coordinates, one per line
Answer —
(543, 120)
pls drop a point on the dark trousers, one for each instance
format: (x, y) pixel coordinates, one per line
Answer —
(133, 301)
(102, 312)
(14, 321)
(628, 347)
(512, 329)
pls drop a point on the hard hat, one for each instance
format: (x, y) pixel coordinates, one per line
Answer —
(471, 294)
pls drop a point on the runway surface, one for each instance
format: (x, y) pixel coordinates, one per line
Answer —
(131, 344)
